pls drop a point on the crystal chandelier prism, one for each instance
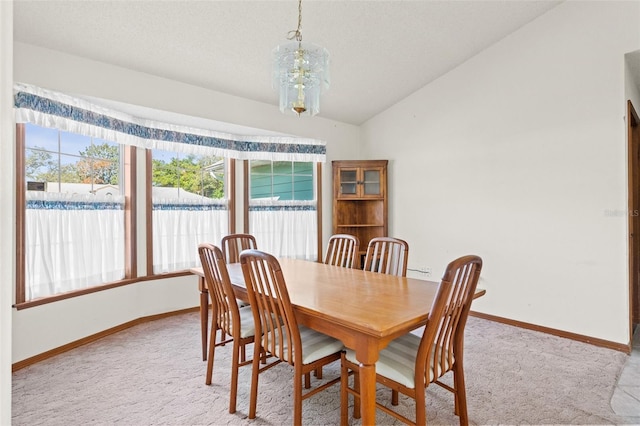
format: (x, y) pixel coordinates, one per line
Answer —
(300, 73)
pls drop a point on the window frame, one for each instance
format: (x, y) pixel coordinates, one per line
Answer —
(130, 213)
(230, 188)
(246, 177)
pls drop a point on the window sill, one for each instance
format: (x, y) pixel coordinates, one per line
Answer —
(95, 289)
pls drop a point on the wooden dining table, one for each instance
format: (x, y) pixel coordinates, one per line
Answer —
(365, 310)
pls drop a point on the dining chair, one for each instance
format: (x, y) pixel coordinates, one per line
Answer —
(281, 336)
(410, 363)
(387, 255)
(232, 320)
(342, 250)
(233, 244)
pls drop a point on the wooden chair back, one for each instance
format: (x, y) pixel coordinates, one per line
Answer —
(342, 250)
(233, 244)
(273, 314)
(439, 350)
(223, 303)
(387, 255)
(282, 338)
(446, 331)
(227, 316)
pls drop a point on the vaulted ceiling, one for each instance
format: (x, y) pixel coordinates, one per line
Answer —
(381, 51)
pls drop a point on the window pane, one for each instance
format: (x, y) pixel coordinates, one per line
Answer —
(81, 166)
(98, 171)
(73, 239)
(260, 166)
(210, 180)
(190, 176)
(164, 169)
(41, 137)
(282, 167)
(102, 149)
(260, 186)
(189, 207)
(71, 143)
(282, 210)
(303, 168)
(283, 187)
(40, 166)
(73, 170)
(303, 181)
(303, 188)
(261, 179)
(288, 181)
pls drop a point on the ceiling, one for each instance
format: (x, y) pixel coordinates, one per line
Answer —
(381, 51)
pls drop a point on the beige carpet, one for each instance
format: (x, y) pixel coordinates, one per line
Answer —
(152, 374)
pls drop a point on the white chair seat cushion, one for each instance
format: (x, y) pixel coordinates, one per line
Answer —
(247, 326)
(398, 361)
(315, 345)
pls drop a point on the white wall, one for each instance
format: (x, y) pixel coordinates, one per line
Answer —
(518, 155)
(6, 206)
(42, 328)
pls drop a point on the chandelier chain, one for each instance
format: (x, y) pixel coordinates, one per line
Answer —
(297, 34)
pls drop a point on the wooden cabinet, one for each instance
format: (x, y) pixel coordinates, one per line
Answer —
(360, 199)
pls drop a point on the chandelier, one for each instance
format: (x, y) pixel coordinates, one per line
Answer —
(300, 73)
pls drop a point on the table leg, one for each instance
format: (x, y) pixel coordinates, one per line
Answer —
(204, 315)
(368, 393)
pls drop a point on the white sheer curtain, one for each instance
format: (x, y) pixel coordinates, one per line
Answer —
(178, 228)
(72, 242)
(285, 228)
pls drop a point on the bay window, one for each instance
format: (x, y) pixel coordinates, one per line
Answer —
(80, 211)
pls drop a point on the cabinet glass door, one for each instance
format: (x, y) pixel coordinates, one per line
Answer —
(372, 182)
(348, 182)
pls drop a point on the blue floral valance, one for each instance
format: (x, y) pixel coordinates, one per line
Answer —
(57, 110)
(268, 205)
(204, 207)
(272, 208)
(72, 205)
(72, 201)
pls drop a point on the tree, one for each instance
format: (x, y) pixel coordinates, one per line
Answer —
(190, 174)
(41, 166)
(100, 164)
